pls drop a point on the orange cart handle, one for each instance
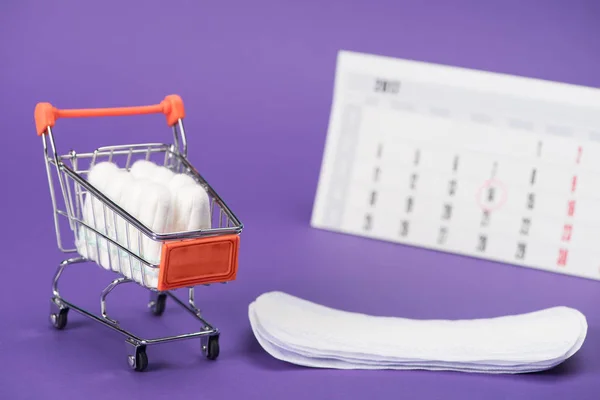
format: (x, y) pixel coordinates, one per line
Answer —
(46, 114)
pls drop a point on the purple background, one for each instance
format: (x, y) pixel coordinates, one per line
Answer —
(256, 78)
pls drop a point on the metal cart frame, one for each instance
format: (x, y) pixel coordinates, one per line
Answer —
(67, 172)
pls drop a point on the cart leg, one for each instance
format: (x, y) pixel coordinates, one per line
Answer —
(157, 303)
(136, 355)
(210, 344)
(58, 309)
(190, 306)
(58, 313)
(209, 335)
(105, 293)
(59, 272)
(192, 302)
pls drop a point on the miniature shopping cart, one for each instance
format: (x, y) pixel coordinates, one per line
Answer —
(187, 259)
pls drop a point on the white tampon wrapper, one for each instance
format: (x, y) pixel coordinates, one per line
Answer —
(143, 169)
(193, 208)
(177, 223)
(100, 174)
(154, 212)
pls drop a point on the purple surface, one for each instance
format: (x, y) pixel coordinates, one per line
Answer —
(256, 78)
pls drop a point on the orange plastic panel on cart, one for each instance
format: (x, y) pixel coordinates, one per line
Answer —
(198, 261)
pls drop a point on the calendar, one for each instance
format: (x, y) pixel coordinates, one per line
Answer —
(475, 163)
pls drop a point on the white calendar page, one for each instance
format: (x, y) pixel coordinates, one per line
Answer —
(468, 162)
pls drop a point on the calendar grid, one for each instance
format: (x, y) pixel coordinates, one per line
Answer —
(503, 177)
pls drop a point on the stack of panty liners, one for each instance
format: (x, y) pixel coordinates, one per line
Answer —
(308, 334)
(163, 201)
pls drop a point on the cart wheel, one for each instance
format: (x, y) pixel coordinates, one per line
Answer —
(59, 320)
(158, 308)
(212, 348)
(141, 360)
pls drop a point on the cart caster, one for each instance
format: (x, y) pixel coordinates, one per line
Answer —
(59, 319)
(212, 347)
(139, 360)
(158, 303)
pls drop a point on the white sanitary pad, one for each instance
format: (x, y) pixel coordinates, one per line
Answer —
(308, 334)
(161, 200)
